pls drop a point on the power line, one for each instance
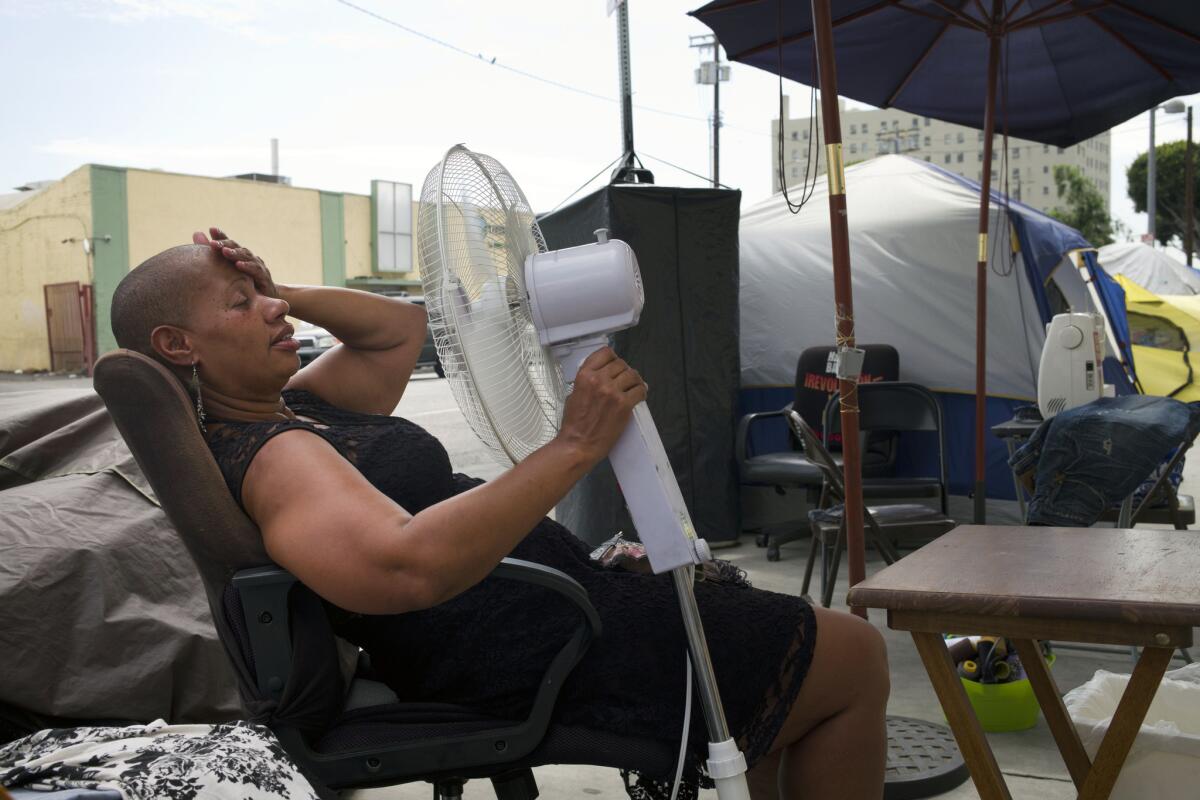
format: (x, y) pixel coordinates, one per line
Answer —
(492, 62)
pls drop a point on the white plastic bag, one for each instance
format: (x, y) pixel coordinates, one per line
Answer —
(1164, 762)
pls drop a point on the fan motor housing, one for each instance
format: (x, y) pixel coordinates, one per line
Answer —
(577, 292)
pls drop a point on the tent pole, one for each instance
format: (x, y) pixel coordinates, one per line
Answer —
(822, 23)
(981, 268)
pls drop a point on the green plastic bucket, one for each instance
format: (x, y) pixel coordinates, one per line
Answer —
(1003, 707)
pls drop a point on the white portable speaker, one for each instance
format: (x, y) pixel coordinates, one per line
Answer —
(1071, 370)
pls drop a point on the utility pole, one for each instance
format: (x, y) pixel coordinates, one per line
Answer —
(1150, 185)
(712, 72)
(630, 169)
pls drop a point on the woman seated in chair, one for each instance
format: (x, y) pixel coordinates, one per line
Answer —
(363, 508)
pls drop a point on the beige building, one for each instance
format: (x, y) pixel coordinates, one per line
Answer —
(64, 246)
(955, 148)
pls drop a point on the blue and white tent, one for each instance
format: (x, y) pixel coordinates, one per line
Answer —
(914, 248)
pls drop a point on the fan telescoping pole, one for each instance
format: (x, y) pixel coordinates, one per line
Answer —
(981, 267)
(843, 292)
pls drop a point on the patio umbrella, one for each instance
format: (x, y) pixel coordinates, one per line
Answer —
(1074, 69)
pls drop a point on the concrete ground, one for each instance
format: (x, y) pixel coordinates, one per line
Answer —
(1029, 759)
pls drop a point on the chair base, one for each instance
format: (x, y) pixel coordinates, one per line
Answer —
(923, 760)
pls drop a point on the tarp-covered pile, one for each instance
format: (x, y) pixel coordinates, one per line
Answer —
(102, 615)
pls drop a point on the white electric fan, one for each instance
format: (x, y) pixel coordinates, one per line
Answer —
(512, 322)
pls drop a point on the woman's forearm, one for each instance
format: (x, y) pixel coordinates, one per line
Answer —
(461, 539)
(361, 320)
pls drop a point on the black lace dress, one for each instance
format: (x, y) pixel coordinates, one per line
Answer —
(631, 679)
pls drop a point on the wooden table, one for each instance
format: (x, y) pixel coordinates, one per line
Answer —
(1102, 585)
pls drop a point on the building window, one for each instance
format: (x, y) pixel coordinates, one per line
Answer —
(1045, 169)
(1016, 152)
(1045, 191)
(961, 139)
(804, 134)
(979, 156)
(853, 148)
(882, 125)
(1045, 149)
(927, 122)
(946, 139)
(795, 154)
(1016, 173)
(927, 141)
(916, 122)
(853, 129)
(1060, 151)
(795, 172)
(895, 124)
(947, 158)
(959, 158)
(979, 136)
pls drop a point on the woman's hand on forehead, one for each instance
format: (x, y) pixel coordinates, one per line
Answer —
(241, 258)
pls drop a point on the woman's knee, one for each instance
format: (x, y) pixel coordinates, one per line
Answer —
(864, 656)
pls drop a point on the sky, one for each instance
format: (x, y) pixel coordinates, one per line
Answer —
(201, 86)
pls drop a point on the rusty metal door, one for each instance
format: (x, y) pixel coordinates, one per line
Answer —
(69, 322)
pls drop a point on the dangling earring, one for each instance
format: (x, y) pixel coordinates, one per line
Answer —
(199, 400)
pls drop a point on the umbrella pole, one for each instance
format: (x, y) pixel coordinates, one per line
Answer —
(842, 288)
(981, 268)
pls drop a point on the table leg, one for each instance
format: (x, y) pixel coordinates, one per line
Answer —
(1110, 757)
(1057, 718)
(963, 722)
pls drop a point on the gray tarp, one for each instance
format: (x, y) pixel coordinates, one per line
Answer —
(102, 614)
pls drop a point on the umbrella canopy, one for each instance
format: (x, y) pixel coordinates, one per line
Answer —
(1075, 68)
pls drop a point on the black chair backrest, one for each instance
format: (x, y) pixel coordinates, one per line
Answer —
(156, 417)
(889, 406)
(814, 384)
(897, 407)
(815, 449)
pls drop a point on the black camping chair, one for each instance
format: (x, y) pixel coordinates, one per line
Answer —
(829, 524)
(793, 469)
(286, 658)
(895, 407)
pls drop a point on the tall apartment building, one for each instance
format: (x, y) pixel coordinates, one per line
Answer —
(955, 148)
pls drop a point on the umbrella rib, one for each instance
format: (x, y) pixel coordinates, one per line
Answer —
(967, 19)
(1043, 20)
(1142, 15)
(799, 37)
(1012, 11)
(1131, 47)
(908, 75)
(973, 25)
(1040, 16)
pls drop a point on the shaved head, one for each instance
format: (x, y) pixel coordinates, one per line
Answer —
(157, 292)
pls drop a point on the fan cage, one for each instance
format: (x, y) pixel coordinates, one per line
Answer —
(474, 232)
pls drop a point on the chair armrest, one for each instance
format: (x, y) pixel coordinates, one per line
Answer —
(264, 591)
(264, 595)
(743, 430)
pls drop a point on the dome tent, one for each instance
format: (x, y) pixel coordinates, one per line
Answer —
(914, 248)
(1151, 269)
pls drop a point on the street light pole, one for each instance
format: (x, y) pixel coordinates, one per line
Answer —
(1150, 181)
(1189, 203)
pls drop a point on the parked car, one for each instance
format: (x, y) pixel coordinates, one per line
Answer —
(429, 356)
(313, 340)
